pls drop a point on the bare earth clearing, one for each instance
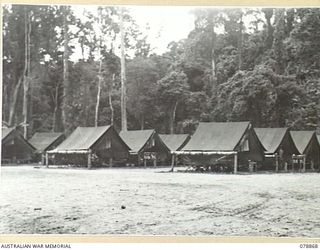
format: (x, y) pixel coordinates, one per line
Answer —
(48, 201)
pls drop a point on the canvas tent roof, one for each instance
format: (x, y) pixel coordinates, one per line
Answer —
(5, 132)
(302, 139)
(43, 140)
(271, 138)
(174, 141)
(136, 139)
(217, 136)
(82, 138)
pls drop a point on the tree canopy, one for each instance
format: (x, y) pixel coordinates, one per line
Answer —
(227, 69)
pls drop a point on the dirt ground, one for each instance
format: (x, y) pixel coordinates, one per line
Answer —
(150, 202)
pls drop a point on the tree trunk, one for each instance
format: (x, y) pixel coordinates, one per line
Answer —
(55, 125)
(98, 95)
(123, 78)
(213, 59)
(142, 121)
(14, 101)
(26, 79)
(240, 43)
(268, 13)
(110, 99)
(96, 117)
(65, 69)
(173, 117)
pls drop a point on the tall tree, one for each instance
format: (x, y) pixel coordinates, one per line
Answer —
(65, 103)
(123, 76)
(172, 89)
(26, 77)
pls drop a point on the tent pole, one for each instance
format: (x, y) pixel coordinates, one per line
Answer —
(47, 160)
(286, 167)
(277, 163)
(235, 170)
(172, 162)
(304, 164)
(293, 160)
(89, 159)
(43, 159)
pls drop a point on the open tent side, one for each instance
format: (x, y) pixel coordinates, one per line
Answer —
(146, 146)
(92, 145)
(215, 142)
(279, 148)
(309, 149)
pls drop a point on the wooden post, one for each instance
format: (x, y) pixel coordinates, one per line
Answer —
(89, 159)
(43, 159)
(286, 166)
(277, 162)
(47, 160)
(110, 162)
(312, 165)
(235, 170)
(139, 160)
(304, 164)
(293, 162)
(172, 162)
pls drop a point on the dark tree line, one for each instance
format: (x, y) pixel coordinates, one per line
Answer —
(266, 71)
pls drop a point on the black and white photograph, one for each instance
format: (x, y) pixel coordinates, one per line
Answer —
(160, 121)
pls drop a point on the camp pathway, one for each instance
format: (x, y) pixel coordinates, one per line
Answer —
(147, 202)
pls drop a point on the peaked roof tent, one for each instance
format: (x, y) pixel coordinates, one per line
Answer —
(43, 140)
(217, 136)
(302, 139)
(175, 141)
(5, 132)
(137, 139)
(82, 139)
(271, 138)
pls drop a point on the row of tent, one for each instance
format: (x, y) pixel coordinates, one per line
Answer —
(213, 146)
